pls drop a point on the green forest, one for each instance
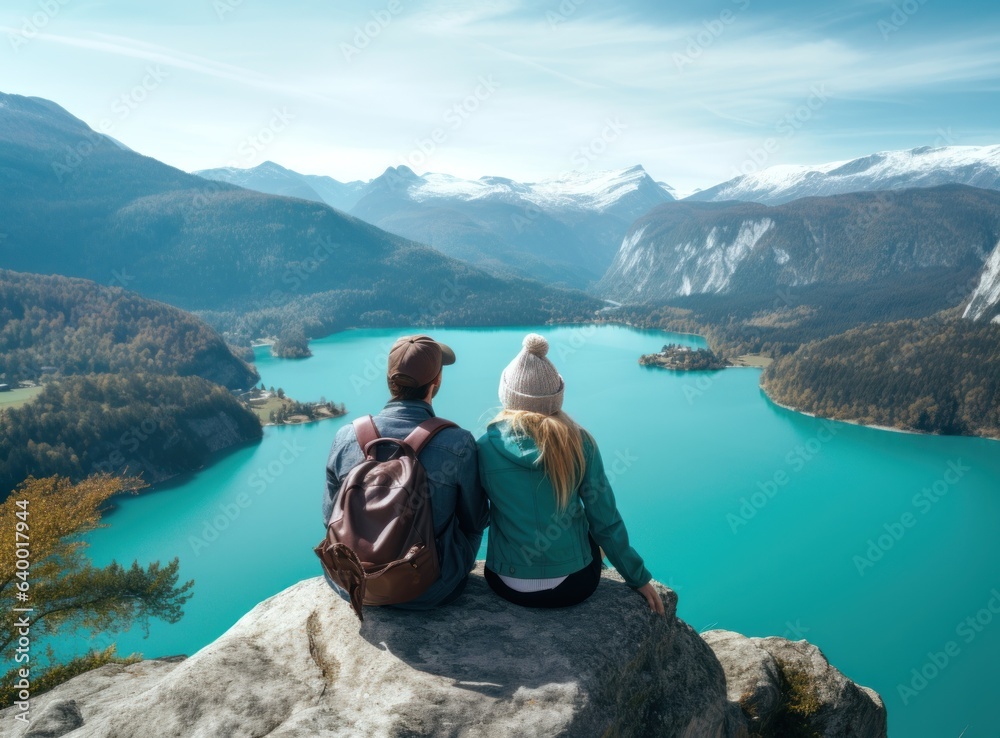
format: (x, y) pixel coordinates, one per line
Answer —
(136, 424)
(931, 375)
(129, 385)
(73, 326)
(475, 299)
(878, 352)
(777, 322)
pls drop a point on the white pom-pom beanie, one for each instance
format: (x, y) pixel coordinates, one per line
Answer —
(530, 382)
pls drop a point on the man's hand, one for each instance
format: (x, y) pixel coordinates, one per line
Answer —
(652, 597)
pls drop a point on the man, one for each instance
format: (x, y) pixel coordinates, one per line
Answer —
(461, 512)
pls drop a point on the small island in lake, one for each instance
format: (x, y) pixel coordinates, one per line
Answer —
(684, 358)
(293, 345)
(273, 407)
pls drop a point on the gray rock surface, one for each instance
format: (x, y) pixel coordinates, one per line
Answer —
(300, 664)
(766, 675)
(752, 677)
(60, 717)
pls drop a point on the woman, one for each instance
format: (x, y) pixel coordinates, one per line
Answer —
(552, 508)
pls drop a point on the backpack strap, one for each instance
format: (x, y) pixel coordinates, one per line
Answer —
(424, 432)
(365, 431)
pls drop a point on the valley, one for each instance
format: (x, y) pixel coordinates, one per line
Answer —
(877, 307)
(759, 244)
(694, 458)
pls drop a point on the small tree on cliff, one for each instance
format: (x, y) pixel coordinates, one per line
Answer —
(62, 589)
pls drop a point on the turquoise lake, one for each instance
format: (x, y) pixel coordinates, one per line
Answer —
(881, 548)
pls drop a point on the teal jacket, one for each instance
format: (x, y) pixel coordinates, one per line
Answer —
(530, 538)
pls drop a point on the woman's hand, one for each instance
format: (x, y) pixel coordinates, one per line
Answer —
(652, 597)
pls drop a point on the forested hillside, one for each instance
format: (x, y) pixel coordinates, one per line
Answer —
(778, 322)
(133, 424)
(74, 326)
(687, 248)
(129, 385)
(75, 203)
(886, 352)
(929, 375)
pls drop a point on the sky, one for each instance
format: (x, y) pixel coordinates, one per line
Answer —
(696, 92)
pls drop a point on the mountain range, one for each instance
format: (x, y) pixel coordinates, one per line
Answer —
(687, 248)
(271, 252)
(73, 202)
(563, 230)
(274, 179)
(977, 166)
(78, 203)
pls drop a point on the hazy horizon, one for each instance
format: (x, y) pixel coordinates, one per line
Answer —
(693, 93)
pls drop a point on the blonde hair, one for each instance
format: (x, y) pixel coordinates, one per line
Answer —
(560, 448)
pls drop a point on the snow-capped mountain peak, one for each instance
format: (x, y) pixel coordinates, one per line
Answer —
(595, 190)
(977, 166)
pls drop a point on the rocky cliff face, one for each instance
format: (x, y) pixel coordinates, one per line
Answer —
(788, 688)
(986, 297)
(685, 248)
(300, 664)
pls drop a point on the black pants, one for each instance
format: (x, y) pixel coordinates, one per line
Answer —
(577, 587)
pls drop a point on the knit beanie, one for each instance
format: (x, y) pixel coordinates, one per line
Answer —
(530, 382)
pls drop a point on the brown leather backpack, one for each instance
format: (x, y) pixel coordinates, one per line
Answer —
(379, 543)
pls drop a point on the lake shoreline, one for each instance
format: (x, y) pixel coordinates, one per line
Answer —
(873, 426)
(178, 479)
(745, 365)
(728, 448)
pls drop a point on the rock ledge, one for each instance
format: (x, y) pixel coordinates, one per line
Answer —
(300, 664)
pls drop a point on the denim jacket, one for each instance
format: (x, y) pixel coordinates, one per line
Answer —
(461, 511)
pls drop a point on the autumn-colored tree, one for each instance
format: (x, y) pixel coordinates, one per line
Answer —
(60, 586)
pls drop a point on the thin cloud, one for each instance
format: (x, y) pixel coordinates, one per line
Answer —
(134, 49)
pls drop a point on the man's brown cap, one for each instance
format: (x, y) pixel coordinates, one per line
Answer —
(415, 360)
